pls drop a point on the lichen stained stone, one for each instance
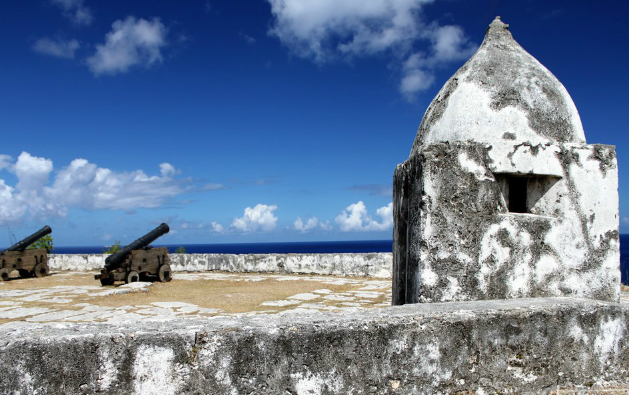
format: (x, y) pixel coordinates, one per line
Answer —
(501, 196)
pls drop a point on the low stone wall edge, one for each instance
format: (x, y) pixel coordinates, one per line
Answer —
(377, 265)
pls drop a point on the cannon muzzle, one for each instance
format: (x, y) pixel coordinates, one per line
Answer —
(115, 260)
(23, 244)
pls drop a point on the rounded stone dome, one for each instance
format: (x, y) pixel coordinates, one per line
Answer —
(504, 94)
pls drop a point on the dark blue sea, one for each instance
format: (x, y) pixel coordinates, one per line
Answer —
(311, 247)
(321, 247)
(624, 258)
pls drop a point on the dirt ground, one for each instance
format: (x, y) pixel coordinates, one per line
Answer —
(77, 297)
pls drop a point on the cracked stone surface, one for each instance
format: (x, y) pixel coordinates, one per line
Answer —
(77, 297)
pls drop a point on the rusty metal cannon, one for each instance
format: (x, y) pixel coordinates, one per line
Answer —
(28, 262)
(138, 260)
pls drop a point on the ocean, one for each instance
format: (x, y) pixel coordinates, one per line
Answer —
(624, 258)
(311, 247)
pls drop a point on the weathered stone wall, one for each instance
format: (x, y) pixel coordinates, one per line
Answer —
(501, 196)
(526, 346)
(359, 265)
(455, 238)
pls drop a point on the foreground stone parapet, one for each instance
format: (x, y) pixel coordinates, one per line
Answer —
(376, 265)
(506, 346)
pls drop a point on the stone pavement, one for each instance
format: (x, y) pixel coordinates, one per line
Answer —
(77, 297)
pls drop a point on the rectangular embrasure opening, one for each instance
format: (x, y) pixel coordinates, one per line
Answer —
(526, 194)
(518, 193)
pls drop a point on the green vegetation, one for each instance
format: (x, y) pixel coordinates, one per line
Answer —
(180, 250)
(44, 242)
(113, 248)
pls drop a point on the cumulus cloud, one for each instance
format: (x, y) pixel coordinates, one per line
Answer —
(356, 218)
(56, 47)
(30, 192)
(130, 43)
(81, 184)
(328, 30)
(5, 162)
(414, 77)
(76, 11)
(310, 224)
(167, 170)
(449, 44)
(86, 185)
(259, 218)
(216, 227)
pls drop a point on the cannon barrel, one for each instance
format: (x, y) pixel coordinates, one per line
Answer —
(115, 260)
(23, 244)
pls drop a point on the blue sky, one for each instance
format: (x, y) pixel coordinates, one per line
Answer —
(256, 121)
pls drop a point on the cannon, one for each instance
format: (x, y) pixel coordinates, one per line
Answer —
(28, 263)
(138, 261)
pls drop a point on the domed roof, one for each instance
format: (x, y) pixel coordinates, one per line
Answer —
(502, 93)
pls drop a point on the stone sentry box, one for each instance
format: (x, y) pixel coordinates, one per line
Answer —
(501, 197)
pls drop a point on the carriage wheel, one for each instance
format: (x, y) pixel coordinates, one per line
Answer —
(132, 277)
(4, 274)
(41, 270)
(164, 273)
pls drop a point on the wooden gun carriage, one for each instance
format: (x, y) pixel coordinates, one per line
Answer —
(28, 263)
(138, 261)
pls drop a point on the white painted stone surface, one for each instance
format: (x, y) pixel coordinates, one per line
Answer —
(503, 119)
(502, 94)
(376, 265)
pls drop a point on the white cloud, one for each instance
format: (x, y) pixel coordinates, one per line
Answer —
(356, 218)
(414, 79)
(5, 162)
(130, 43)
(248, 39)
(216, 227)
(167, 170)
(325, 29)
(212, 187)
(81, 184)
(190, 225)
(328, 30)
(449, 44)
(56, 47)
(32, 172)
(260, 217)
(312, 223)
(76, 11)
(30, 193)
